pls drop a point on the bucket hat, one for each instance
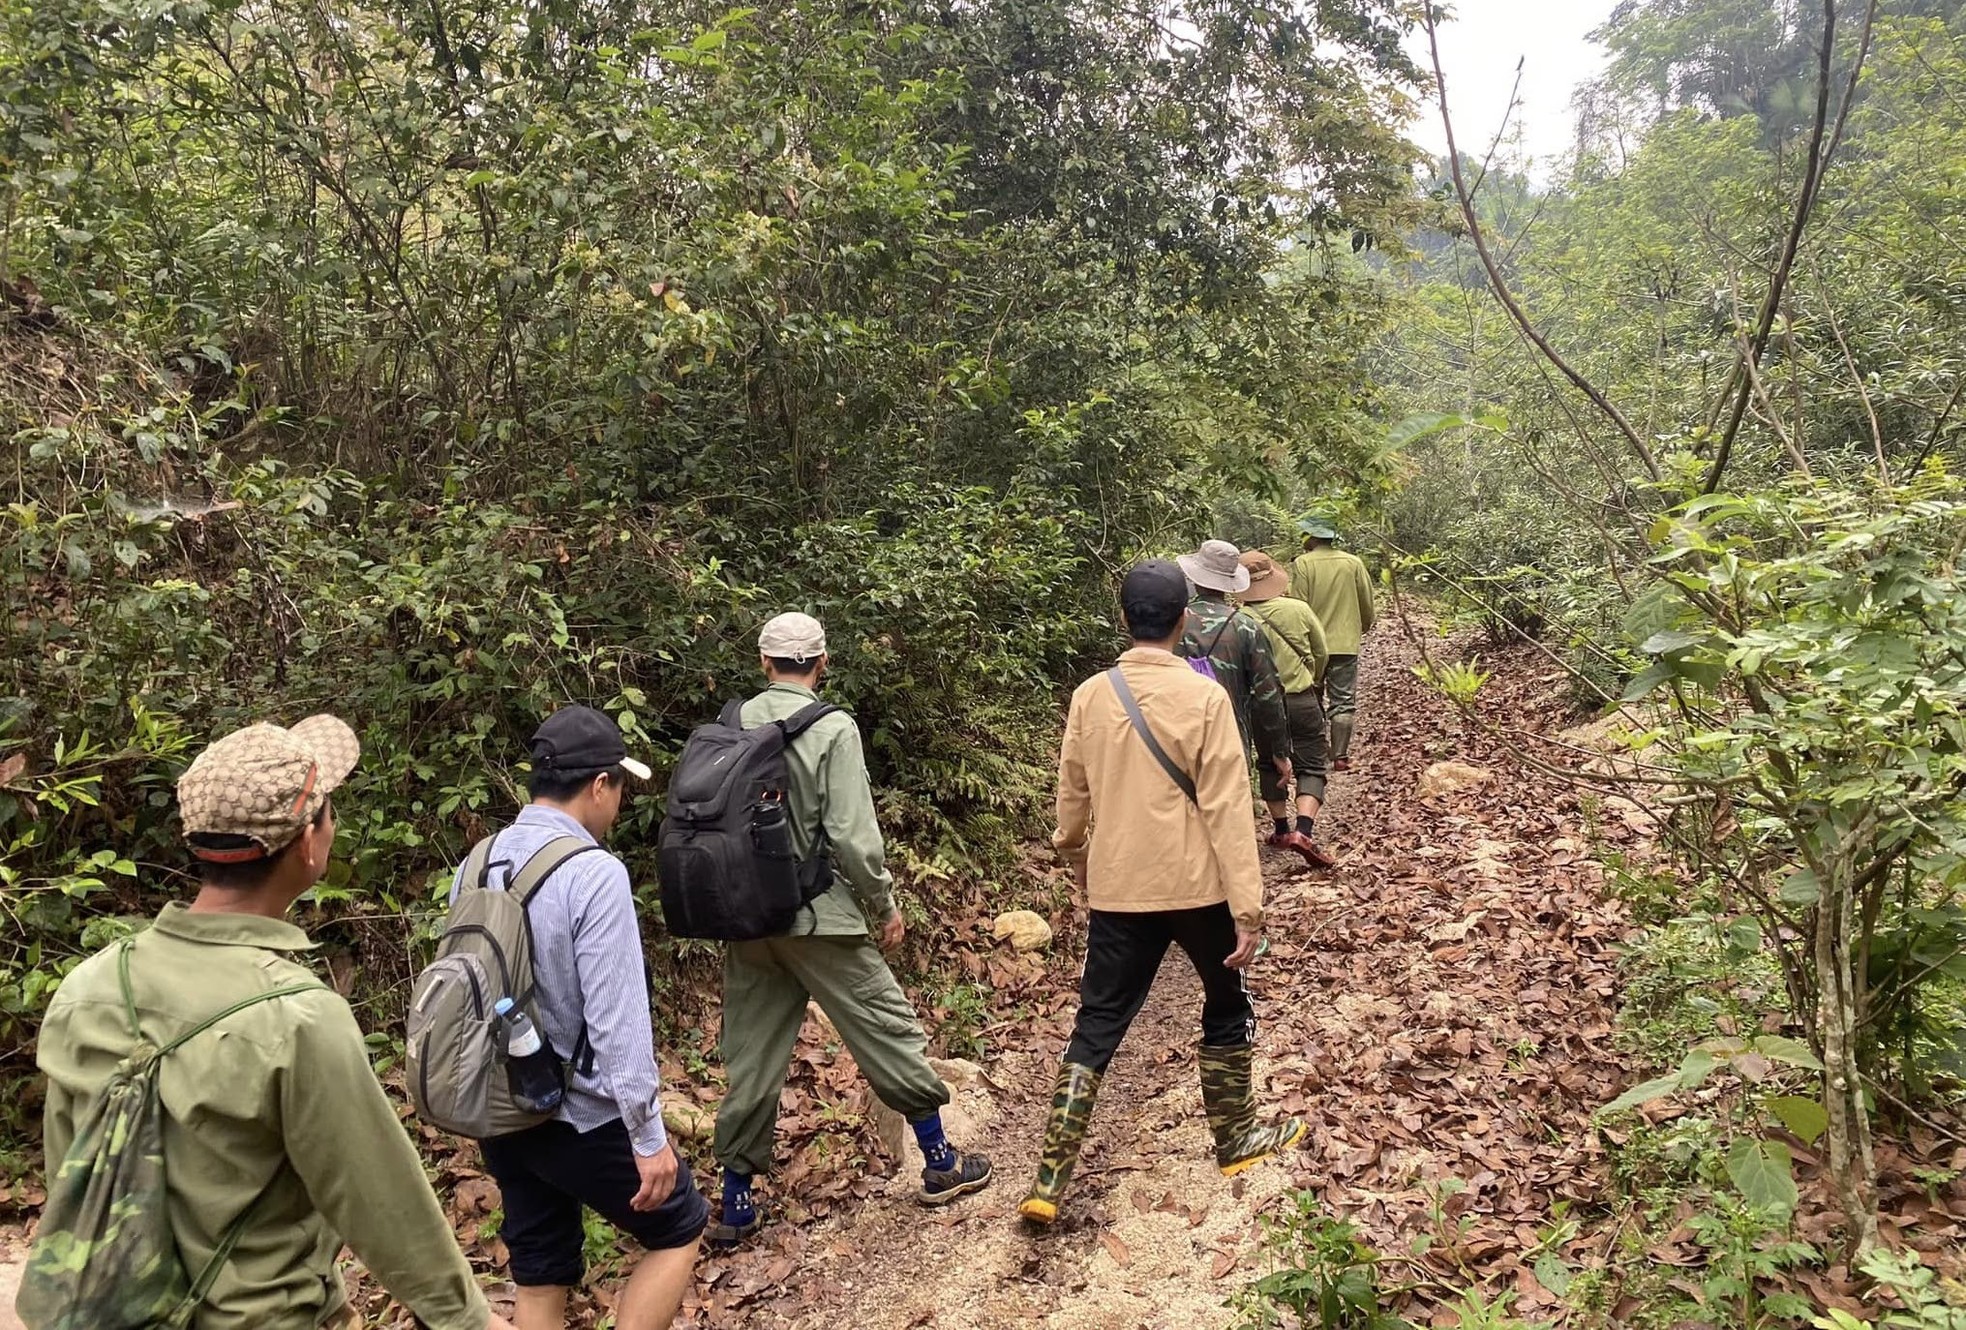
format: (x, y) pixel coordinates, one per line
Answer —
(1318, 528)
(1267, 579)
(1215, 566)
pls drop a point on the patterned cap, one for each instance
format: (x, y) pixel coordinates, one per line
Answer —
(793, 636)
(265, 783)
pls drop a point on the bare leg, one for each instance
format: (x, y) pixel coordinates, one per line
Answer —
(655, 1291)
(543, 1307)
(1307, 806)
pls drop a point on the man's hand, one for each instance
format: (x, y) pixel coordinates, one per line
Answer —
(893, 929)
(658, 1179)
(1284, 770)
(1247, 940)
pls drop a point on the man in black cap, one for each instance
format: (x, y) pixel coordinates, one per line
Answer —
(605, 1147)
(1153, 817)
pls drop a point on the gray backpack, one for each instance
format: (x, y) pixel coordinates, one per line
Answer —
(455, 1064)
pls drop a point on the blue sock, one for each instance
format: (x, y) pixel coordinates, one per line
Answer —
(936, 1150)
(739, 1208)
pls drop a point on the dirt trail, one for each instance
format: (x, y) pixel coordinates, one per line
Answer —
(1439, 1007)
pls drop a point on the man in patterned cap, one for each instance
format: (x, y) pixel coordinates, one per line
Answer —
(279, 1144)
(832, 955)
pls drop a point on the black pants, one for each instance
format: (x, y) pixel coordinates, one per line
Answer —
(1123, 953)
(545, 1174)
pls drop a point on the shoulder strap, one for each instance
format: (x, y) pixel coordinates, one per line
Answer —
(476, 870)
(130, 1002)
(1213, 642)
(1304, 658)
(545, 861)
(1140, 727)
(805, 718)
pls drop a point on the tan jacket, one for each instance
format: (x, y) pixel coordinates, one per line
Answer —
(1144, 845)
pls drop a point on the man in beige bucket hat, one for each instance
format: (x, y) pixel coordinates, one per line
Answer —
(1237, 652)
(280, 1145)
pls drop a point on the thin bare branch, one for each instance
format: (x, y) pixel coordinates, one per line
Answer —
(1501, 286)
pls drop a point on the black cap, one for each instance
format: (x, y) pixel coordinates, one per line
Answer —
(1154, 595)
(582, 741)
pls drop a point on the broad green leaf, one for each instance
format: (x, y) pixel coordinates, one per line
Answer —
(1780, 1048)
(1800, 888)
(1644, 1093)
(1670, 640)
(1806, 1119)
(1764, 1173)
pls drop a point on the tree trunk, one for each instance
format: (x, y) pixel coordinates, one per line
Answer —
(1853, 1166)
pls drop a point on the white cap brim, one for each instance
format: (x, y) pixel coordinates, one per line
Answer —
(639, 770)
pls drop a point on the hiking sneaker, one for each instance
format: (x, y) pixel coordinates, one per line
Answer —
(1314, 854)
(943, 1185)
(1341, 764)
(729, 1237)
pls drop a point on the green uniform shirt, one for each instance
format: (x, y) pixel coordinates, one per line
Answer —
(1240, 651)
(832, 808)
(1339, 591)
(275, 1108)
(1296, 640)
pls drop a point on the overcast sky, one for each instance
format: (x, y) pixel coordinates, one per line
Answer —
(1479, 50)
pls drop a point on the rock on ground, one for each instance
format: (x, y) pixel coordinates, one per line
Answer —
(1025, 930)
(1451, 778)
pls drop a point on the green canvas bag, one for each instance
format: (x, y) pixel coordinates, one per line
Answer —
(105, 1257)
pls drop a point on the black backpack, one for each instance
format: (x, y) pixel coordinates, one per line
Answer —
(724, 854)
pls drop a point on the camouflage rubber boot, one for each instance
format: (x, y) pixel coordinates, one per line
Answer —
(1227, 1094)
(1071, 1110)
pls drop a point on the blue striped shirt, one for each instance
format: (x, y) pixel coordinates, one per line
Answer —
(588, 967)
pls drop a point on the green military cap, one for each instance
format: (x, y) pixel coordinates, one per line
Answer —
(1318, 528)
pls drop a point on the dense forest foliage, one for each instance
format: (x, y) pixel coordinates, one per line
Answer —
(1691, 416)
(439, 364)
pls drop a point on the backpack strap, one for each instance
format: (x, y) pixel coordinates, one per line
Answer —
(523, 886)
(545, 862)
(130, 1002)
(1140, 727)
(804, 719)
(1304, 658)
(201, 1288)
(1208, 652)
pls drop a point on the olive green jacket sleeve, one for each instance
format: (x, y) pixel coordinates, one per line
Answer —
(1368, 609)
(852, 830)
(361, 1172)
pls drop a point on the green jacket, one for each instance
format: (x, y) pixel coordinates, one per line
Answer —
(832, 807)
(1297, 640)
(274, 1108)
(1240, 652)
(1339, 591)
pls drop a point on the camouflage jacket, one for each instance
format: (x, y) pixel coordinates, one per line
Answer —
(1240, 651)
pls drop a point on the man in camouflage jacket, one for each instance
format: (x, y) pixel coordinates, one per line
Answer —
(1238, 650)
